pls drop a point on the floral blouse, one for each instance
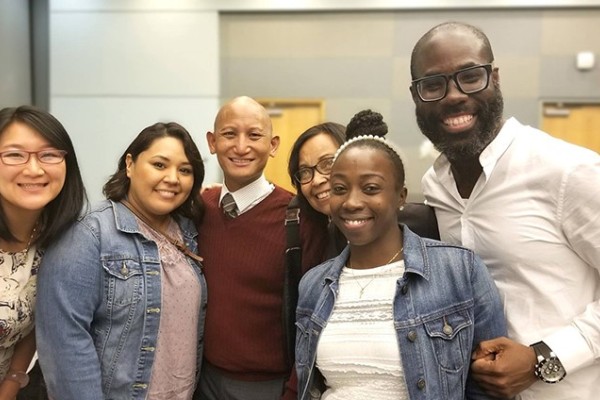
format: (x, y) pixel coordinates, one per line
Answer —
(18, 281)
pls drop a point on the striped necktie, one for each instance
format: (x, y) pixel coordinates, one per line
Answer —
(229, 206)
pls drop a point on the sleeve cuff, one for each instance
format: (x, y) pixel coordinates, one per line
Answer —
(571, 348)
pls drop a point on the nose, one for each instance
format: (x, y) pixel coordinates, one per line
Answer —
(453, 93)
(353, 200)
(33, 166)
(319, 178)
(171, 175)
(241, 144)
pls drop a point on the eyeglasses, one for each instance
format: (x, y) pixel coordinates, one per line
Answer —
(20, 157)
(468, 81)
(306, 174)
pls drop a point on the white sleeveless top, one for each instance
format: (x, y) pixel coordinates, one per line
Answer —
(358, 350)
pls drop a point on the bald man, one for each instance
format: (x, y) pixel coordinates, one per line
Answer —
(528, 204)
(243, 242)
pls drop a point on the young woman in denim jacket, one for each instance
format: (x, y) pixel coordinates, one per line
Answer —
(395, 316)
(121, 294)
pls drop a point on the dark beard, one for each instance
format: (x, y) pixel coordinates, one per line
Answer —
(490, 122)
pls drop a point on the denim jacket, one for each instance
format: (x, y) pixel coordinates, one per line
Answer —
(98, 307)
(445, 304)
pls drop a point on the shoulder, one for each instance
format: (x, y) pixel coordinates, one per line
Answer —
(211, 196)
(281, 194)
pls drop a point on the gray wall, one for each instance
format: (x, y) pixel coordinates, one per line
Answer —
(15, 65)
(357, 60)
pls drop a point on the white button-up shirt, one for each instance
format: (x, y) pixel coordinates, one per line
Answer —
(534, 218)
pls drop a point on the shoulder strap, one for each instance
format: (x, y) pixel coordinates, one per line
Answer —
(292, 273)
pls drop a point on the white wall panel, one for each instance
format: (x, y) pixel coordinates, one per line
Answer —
(102, 128)
(141, 53)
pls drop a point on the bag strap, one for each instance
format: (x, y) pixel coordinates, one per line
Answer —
(292, 273)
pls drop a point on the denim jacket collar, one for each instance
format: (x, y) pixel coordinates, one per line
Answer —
(126, 222)
(415, 257)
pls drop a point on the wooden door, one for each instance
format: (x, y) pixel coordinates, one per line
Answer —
(290, 118)
(575, 123)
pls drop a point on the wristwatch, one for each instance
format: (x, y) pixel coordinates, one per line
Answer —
(20, 377)
(548, 368)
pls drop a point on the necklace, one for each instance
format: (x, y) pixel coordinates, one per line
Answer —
(362, 288)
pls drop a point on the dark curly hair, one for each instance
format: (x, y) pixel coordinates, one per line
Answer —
(366, 122)
(369, 122)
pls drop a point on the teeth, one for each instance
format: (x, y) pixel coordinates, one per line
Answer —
(240, 161)
(31, 185)
(355, 222)
(463, 119)
(322, 195)
(166, 193)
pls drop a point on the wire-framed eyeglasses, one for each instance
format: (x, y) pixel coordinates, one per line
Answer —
(20, 157)
(306, 174)
(468, 80)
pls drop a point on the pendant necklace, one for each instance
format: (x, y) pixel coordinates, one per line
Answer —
(362, 288)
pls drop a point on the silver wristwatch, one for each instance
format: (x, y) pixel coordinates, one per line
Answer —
(548, 367)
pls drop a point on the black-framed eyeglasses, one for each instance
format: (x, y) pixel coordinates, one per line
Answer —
(306, 174)
(468, 80)
(20, 157)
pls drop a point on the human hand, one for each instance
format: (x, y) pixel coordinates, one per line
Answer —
(503, 367)
(9, 390)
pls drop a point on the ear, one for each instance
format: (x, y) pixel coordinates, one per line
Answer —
(128, 164)
(274, 145)
(211, 140)
(414, 94)
(496, 77)
(402, 199)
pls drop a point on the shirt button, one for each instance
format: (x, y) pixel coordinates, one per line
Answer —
(447, 329)
(421, 384)
(412, 336)
(404, 289)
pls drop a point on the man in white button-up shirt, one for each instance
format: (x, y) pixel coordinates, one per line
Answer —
(528, 204)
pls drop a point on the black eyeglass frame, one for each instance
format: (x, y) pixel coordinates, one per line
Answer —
(312, 169)
(489, 68)
(63, 153)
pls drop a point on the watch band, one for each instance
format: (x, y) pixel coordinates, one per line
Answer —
(548, 367)
(18, 376)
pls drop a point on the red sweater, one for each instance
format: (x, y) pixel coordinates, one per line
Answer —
(244, 269)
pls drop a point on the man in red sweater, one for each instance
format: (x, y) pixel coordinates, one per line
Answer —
(243, 244)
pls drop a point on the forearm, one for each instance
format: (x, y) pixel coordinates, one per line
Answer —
(19, 363)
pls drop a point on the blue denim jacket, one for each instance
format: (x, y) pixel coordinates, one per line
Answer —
(445, 304)
(98, 307)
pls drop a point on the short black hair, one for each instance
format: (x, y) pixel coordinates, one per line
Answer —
(449, 26)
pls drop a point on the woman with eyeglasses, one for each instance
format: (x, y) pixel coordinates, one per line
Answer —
(41, 194)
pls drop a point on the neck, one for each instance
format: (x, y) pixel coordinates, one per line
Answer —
(369, 256)
(466, 172)
(21, 226)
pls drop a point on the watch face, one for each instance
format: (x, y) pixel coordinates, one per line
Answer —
(551, 370)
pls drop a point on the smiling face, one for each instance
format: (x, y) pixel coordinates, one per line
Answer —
(365, 198)
(459, 125)
(161, 179)
(243, 141)
(317, 191)
(31, 186)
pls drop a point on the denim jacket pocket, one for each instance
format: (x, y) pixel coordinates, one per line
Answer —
(451, 335)
(124, 281)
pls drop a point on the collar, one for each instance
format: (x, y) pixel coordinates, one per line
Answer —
(415, 257)
(490, 155)
(249, 194)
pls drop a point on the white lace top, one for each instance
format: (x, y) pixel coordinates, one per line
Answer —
(18, 283)
(358, 350)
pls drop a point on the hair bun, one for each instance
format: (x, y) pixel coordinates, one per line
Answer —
(366, 122)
